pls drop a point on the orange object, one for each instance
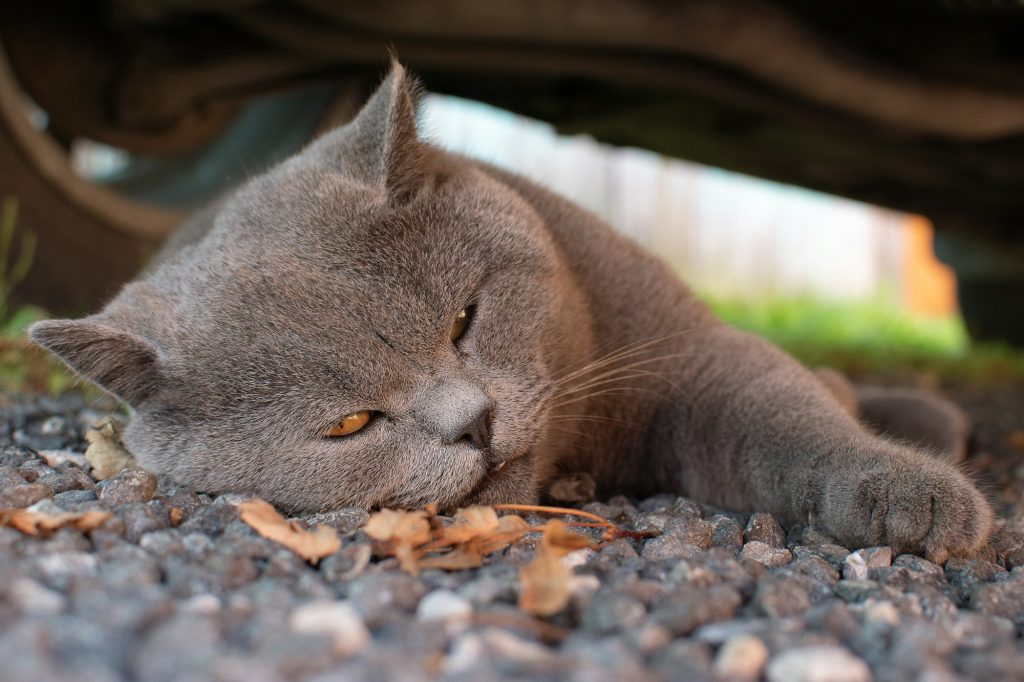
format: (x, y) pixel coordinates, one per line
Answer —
(929, 286)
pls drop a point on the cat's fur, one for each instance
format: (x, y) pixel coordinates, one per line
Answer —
(329, 284)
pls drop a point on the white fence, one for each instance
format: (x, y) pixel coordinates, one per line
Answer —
(726, 233)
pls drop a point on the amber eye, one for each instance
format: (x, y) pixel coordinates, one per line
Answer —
(348, 425)
(461, 323)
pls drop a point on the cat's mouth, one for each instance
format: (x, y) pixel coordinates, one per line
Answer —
(496, 475)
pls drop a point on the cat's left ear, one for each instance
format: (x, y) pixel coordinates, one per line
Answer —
(117, 360)
(385, 146)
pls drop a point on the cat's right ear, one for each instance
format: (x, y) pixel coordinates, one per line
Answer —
(118, 361)
(384, 148)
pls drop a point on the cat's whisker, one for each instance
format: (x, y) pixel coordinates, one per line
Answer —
(626, 351)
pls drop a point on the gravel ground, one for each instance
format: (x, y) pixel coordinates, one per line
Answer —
(196, 594)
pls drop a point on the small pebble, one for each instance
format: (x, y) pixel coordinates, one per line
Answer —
(858, 565)
(337, 619)
(818, 664)
(741, 658)
(763, 527)
(129, 485)
(766, 554)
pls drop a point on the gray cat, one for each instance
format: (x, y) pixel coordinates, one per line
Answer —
(377, 322)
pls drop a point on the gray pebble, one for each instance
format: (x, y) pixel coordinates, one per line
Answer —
(765, 554)
(24, 495)
(689, 608)
(129, 485)
(763, 527)
(342, 520)
(725, 532)
(780, 596)
(611, 611)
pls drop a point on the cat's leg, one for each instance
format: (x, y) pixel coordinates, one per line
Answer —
(914, 416)
(758, 431)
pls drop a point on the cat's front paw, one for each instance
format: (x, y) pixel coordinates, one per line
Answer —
(909, 501)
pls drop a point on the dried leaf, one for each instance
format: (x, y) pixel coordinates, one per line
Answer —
(106, 452)
(469, 523)
(42, 523)
(401, 532)
(1016, 439)
(311, 545)
(544, 582)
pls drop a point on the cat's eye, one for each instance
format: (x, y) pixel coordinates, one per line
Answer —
(461, 323)
(348, 425)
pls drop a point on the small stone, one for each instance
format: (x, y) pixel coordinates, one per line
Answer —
(443, 605)
(659, 503)
(53, 426)
(858, 565)
(818, 664)
(71, 500)
(9, 477)
(725, 532)
(966, 574)
(668, 547)
(1004, 598)
(56, 458)
(140, 519)
(772, 557)
(833, 554)
(611, 611)
(688, 608)
(344, 520)
(130, 485)
(918, 564)
(763, 527)
(25, 495)
(690, 531)
(741, 658)
(34, 599)
(779, 595)
(16, 455)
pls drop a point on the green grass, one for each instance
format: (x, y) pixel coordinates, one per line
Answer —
(22, 367)
(872, 337)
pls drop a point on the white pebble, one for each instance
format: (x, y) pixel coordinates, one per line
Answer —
(32, 598)
(856, 565)
(205, 604)
(335, 618)
(466, 652)
(818, 664)
(741, 658)
(442, 604)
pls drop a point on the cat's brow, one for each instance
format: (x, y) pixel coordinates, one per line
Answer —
(384, 339)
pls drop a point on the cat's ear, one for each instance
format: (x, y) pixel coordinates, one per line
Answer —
(118, 361)
(385, 147)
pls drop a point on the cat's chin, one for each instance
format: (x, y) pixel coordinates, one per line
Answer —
(511, 483)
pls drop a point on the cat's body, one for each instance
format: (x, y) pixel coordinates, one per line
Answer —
(329, 285)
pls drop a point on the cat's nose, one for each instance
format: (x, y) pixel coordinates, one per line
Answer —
(476, 429)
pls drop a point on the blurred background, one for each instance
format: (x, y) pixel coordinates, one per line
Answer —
(841, 177)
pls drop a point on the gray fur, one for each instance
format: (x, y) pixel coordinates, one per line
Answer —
(328, 285)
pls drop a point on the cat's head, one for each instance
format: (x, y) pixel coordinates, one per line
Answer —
(373, 322)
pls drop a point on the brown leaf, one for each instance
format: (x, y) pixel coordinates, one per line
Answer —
(311, 545)
(1016, 439)
(42, 523)
(544, 582)
(401, 532)
(106, 453)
